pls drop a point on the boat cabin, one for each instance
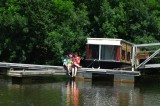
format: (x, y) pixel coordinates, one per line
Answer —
(118, 53)
(109, 50)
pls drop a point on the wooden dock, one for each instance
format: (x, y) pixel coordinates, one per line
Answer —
(114, 72)
(31, 70)
(26, 70)
(117, 75)
(151, 66)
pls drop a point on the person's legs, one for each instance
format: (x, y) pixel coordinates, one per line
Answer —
(65, 68)
(75, 71)
(69, 68)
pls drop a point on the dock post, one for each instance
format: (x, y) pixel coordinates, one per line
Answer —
(87, 75)
(124, 78)
(133, 58)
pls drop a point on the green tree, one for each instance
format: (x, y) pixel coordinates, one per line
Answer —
(13, 28)
(127, 19)
(70, 36)
(43, 31)
(113, 20)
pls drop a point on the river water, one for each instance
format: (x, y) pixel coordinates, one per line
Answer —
(78, 93)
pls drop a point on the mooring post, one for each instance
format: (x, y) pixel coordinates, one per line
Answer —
(133, 58)
(87, 75)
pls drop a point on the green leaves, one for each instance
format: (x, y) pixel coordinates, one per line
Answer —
(43, 31)
(145, 39)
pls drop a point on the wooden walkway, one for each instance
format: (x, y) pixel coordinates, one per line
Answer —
(110, 75)
(29, 70)
(152, 66)
(24, 70)
(114, 72)
(16, 70)
(27, 66)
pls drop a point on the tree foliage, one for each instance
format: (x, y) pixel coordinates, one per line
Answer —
(43, 31)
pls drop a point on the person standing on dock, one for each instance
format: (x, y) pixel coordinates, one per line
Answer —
(76, 64)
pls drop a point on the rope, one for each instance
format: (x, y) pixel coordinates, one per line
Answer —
(122, 68)
(93, 63)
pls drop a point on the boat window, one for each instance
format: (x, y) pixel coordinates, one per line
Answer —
(123, 55)
(110, 52)
(92, 52)
(128, 56)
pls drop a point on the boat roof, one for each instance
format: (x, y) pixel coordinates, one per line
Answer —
(106, 41)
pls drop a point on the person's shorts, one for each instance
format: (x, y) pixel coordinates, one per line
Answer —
(74, 66)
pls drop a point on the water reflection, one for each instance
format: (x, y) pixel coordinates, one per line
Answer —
(72, 93)
(119, 94)
(78, 93)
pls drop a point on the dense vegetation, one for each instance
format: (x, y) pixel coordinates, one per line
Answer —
(43, 31)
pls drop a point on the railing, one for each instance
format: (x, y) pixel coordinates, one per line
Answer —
(149, 58)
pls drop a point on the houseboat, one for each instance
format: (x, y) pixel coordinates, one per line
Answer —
(108, 52)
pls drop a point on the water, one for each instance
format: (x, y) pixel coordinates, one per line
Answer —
(78, 93)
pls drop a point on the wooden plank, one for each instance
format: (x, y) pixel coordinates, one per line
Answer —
(151, 66)
(8, 65)
(142, 56)
(110, 71)
(30, 73)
